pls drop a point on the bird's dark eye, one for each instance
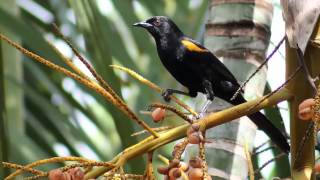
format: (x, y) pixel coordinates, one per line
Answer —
(157, 22)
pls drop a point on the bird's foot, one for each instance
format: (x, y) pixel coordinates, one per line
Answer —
(168, 92)
(208, 89)
(204, 109)
(210, 96)
(166, 95)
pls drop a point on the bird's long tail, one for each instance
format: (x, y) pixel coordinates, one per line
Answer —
(264, 124)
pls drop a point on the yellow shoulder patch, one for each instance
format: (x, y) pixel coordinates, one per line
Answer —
(192, 46)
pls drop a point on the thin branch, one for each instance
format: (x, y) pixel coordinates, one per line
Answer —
(163, 159)
(264, 150)
(279, 52)
(153, 86)
(258, 69)
(66, 168)
(104, 84)
(261, 145)
(278, 89)
(87, 164)
(125, 176)
(68, 62)
(46, 161)
(202, 155)
(268, 162)
(305, 70)
(92, 85)
(133, 176)
(34, 177)
(303, 142)
(312, 126)
(179, 148)
(22, 168)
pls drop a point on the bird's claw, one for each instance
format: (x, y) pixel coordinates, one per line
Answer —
(166, 95)
(210, 96)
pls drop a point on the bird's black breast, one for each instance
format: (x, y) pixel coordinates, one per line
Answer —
(175, 62)
(190, 64)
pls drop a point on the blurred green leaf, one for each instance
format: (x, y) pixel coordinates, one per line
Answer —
(11, 122)
(4, 147)
(53, 102)
(30, 35)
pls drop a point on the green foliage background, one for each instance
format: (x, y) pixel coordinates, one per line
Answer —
(45, 114)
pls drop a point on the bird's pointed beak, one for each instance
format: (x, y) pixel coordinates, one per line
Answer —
(143, 24)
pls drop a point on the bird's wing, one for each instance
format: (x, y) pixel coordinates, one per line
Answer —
(209, 59)
(193, 45)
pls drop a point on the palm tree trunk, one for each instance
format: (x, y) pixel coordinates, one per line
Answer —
(238, 32)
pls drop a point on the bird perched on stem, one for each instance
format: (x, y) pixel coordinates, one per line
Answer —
(199, 70)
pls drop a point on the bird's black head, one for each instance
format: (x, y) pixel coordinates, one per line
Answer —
(160, 27)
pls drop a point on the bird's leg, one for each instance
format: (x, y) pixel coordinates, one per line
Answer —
(208, 88)
(168, 92)
(210, 96)
(204, 109)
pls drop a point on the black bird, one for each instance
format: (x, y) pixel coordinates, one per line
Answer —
(196, 68)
